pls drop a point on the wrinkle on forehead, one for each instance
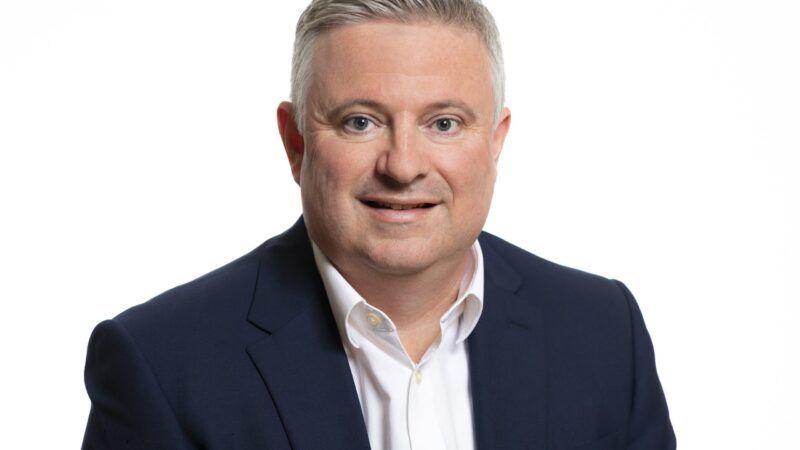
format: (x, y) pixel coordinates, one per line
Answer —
(401, 65)
(401, 91)
(409, 48)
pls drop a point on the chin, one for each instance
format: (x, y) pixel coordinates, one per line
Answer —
(401, 256)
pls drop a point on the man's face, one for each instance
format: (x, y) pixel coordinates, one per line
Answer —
(400, 151)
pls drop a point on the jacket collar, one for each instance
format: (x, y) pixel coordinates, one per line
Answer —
(507, 360)
(302, 361)
(305, 368)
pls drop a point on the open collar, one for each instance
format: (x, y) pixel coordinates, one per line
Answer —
(304, 366)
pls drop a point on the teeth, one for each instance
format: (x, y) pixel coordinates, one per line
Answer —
(401, 207)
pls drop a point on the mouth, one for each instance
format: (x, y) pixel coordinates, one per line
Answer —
(399, 210)
(397, 206)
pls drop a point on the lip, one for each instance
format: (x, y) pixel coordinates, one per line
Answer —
(389, 215)
(400, 200)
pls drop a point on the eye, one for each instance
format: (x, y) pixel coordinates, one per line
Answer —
(446, 125)
(358, 124)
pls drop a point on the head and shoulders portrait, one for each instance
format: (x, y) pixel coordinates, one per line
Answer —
(399, 225)
(385, 317)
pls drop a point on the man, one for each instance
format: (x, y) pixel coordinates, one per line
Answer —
(384, 318)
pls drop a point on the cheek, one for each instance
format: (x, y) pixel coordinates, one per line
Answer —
(333, 170)
(470, 172)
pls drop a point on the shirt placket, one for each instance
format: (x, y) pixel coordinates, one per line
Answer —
(424, 432)
(423, 425)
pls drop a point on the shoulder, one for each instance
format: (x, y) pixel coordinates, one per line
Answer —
(214, 305)
(213, 293)
(589, 320)
(559, 288)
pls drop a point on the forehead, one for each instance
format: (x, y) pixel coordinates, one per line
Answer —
(396, 62)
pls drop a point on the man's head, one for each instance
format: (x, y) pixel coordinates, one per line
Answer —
(395, 129)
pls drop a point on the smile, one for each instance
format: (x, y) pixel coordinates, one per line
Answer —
(399, 210)
(396, 206)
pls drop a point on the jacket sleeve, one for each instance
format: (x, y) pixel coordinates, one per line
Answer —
(649, 427)
(129, 410)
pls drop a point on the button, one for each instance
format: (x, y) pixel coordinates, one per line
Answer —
(418, 376)
(373, 319)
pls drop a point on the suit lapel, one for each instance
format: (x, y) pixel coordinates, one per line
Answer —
(508, 375)
(302, 360)
(305, 368)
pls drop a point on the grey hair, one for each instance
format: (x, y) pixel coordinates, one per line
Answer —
(324, 15)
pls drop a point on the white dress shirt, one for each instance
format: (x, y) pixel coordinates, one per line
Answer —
(407, 406)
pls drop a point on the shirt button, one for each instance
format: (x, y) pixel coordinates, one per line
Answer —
(418, 376)
(373, 319)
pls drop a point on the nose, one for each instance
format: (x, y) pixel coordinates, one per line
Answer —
(405, 159)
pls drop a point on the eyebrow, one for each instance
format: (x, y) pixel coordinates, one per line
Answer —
(369, 103)
(337, 110)
(454, 104)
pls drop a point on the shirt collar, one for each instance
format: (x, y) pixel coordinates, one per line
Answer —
(467, 308)
(342, 297)
(470, 294)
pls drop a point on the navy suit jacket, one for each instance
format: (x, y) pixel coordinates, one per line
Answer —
(249, 357)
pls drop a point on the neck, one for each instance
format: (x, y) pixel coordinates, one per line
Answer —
(415, 302)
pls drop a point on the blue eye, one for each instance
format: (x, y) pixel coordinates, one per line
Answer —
(446, 125)
(358, 123)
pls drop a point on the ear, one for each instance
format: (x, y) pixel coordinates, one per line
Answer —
(500, 133)
(293, 141)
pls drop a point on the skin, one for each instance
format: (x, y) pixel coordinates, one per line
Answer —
(401, 114)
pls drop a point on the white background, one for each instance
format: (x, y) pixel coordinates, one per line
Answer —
(652, 141)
